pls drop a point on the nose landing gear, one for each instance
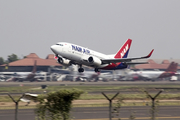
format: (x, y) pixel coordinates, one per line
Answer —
(81, 69)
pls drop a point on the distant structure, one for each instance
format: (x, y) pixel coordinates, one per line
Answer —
(153, 65)
(26, 64)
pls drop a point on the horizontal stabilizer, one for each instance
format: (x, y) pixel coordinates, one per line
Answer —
(133, 63)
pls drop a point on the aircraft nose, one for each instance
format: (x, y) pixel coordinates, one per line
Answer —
(53, 48)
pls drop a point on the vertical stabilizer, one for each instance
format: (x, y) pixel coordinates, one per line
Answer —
(123, 52)
(172, 67)
(170, 71)
(34, 68)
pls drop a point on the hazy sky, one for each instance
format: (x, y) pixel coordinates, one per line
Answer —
(32, 26)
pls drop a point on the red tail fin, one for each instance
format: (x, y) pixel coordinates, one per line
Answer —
(123, 52)
(34, 68)
(170, 70)
(172, 67)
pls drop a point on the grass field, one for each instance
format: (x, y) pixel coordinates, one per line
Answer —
(87, 88)
(91, 92)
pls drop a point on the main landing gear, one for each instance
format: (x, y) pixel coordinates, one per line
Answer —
(82, 69)
(96, 70)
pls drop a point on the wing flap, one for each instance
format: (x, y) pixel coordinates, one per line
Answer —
(133, 63)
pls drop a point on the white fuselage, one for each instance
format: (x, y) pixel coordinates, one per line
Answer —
(78, 53)
(150, 74)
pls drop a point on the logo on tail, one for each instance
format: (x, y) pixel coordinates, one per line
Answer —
(123, 52)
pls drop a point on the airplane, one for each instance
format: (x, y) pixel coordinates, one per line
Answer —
(153, 75)
(2, 78)
(24, 76)
(28, 97)
(68, 54)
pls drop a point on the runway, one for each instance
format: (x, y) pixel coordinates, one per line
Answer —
(102, 113)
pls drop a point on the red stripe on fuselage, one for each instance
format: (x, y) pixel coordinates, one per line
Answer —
(111, 66)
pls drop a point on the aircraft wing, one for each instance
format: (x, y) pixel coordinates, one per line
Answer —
(126, 60)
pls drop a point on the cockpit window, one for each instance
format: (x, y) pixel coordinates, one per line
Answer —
(59, 44)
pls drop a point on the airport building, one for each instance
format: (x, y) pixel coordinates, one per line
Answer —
(27, 64)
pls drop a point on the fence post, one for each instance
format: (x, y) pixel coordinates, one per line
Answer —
(16, 103)
(153, 101)
(110, 103)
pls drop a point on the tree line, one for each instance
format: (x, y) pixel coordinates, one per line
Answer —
(10, 58)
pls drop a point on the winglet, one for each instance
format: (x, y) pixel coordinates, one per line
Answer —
(149, 54)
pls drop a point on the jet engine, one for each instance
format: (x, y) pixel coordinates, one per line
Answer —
(64, 61)
(94, 61)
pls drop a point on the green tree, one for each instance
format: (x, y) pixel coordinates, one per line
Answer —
(1, 61)
(12, 58)
(56, 105)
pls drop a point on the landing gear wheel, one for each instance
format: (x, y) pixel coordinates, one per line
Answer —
(96, 70)
(81, 70)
